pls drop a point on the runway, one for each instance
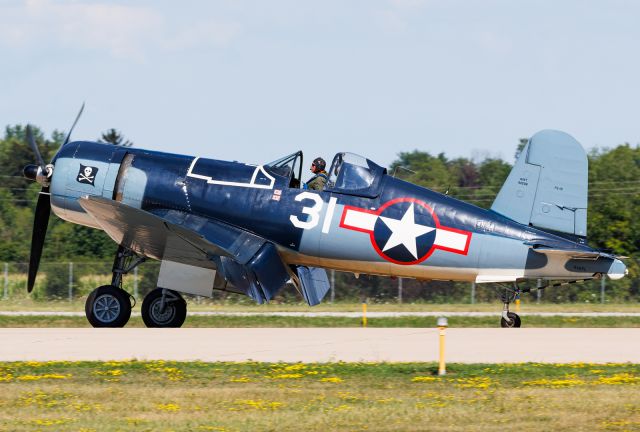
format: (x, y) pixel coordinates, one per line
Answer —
(468, 345)
(370, 314)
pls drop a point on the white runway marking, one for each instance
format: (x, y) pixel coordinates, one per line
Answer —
(323, 344)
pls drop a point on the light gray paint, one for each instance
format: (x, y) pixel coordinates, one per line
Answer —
(548, 185)
(65, 190)
(186, 278)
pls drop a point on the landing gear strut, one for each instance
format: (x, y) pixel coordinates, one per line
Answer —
(509, 319)
(110, 305)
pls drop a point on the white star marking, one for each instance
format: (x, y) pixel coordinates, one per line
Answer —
(405, 231)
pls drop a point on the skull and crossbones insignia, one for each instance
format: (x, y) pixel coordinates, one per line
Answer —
(87, 174)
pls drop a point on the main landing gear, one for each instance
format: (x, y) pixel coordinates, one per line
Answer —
(110, 305)
(163, 308)
(509, 319)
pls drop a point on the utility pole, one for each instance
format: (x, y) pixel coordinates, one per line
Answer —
(70, 281)
(333, 285)
(539, 291)
(135, 282)
(6, 281)
(473, 293)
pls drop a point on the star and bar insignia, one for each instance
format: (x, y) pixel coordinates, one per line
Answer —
(405, 231)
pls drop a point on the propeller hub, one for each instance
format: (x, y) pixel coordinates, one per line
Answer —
(31, 172)
(38, 174)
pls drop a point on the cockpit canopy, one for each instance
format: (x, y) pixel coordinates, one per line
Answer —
(352, 174)
(349, 174)
(289, 166)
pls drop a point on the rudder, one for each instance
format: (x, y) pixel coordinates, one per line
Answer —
(547, 187)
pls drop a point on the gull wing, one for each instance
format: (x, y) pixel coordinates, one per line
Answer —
(150, 235)
(249, 262)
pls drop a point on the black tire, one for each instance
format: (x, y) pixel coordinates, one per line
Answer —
(108, 306)
(175, 309)
(515, 321)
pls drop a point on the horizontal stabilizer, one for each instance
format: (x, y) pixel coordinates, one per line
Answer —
(547, 187)
(600, 262)
(573, 254)
(313, 283)
(550, 247)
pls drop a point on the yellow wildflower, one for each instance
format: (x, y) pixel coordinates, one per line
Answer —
(424, 379)
(335, 380)
(111, 372)
(621, 378)
(169, 407)
(295, 367)
(39, 377)
(554, 383)
(258, 404)
(287, 376)
(476, 382)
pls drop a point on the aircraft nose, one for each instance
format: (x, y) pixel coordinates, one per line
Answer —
(617, 270)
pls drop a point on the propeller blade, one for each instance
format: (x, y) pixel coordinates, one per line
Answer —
(40, 223)
(34, 147)
(74, 124)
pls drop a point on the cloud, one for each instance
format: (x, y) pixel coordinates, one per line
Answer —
(493, 42)
(396, 16)
(408, 4)
(215, 33)
(122, 31)
(391, 21)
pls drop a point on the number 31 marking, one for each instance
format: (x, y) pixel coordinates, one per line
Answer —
(314, 212)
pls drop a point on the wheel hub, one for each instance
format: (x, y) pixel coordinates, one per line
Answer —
(106, 308)
(162, 314)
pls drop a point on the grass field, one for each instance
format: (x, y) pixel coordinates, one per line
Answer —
(278, 321)
(167, 396)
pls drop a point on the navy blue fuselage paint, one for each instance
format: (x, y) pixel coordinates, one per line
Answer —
(261, 201)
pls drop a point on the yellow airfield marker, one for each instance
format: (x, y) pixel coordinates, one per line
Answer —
(517, 303)
(364, 314)
(442, 326)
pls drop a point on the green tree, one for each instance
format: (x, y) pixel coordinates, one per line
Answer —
(423, 169)
(15, 154)
(114, 137)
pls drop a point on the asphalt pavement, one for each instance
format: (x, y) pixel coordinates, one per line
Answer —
(466, 345)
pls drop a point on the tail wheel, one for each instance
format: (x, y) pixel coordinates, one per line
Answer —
(515, 321)
(108, 306)
(164, 308)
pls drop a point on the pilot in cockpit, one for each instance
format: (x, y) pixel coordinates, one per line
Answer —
(318, 181)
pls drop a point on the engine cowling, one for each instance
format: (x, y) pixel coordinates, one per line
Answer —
(83, 168)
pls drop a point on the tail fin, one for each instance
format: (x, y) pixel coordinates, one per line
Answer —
(547, 187)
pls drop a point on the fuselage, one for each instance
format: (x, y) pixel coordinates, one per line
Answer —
(370, 223)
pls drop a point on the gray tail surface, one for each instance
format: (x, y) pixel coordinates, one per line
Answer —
(547, 187)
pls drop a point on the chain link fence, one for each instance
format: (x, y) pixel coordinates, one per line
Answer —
(75, 280)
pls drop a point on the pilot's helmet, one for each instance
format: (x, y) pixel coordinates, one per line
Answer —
(320, 163)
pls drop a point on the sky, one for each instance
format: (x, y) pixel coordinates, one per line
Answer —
(256, 80)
